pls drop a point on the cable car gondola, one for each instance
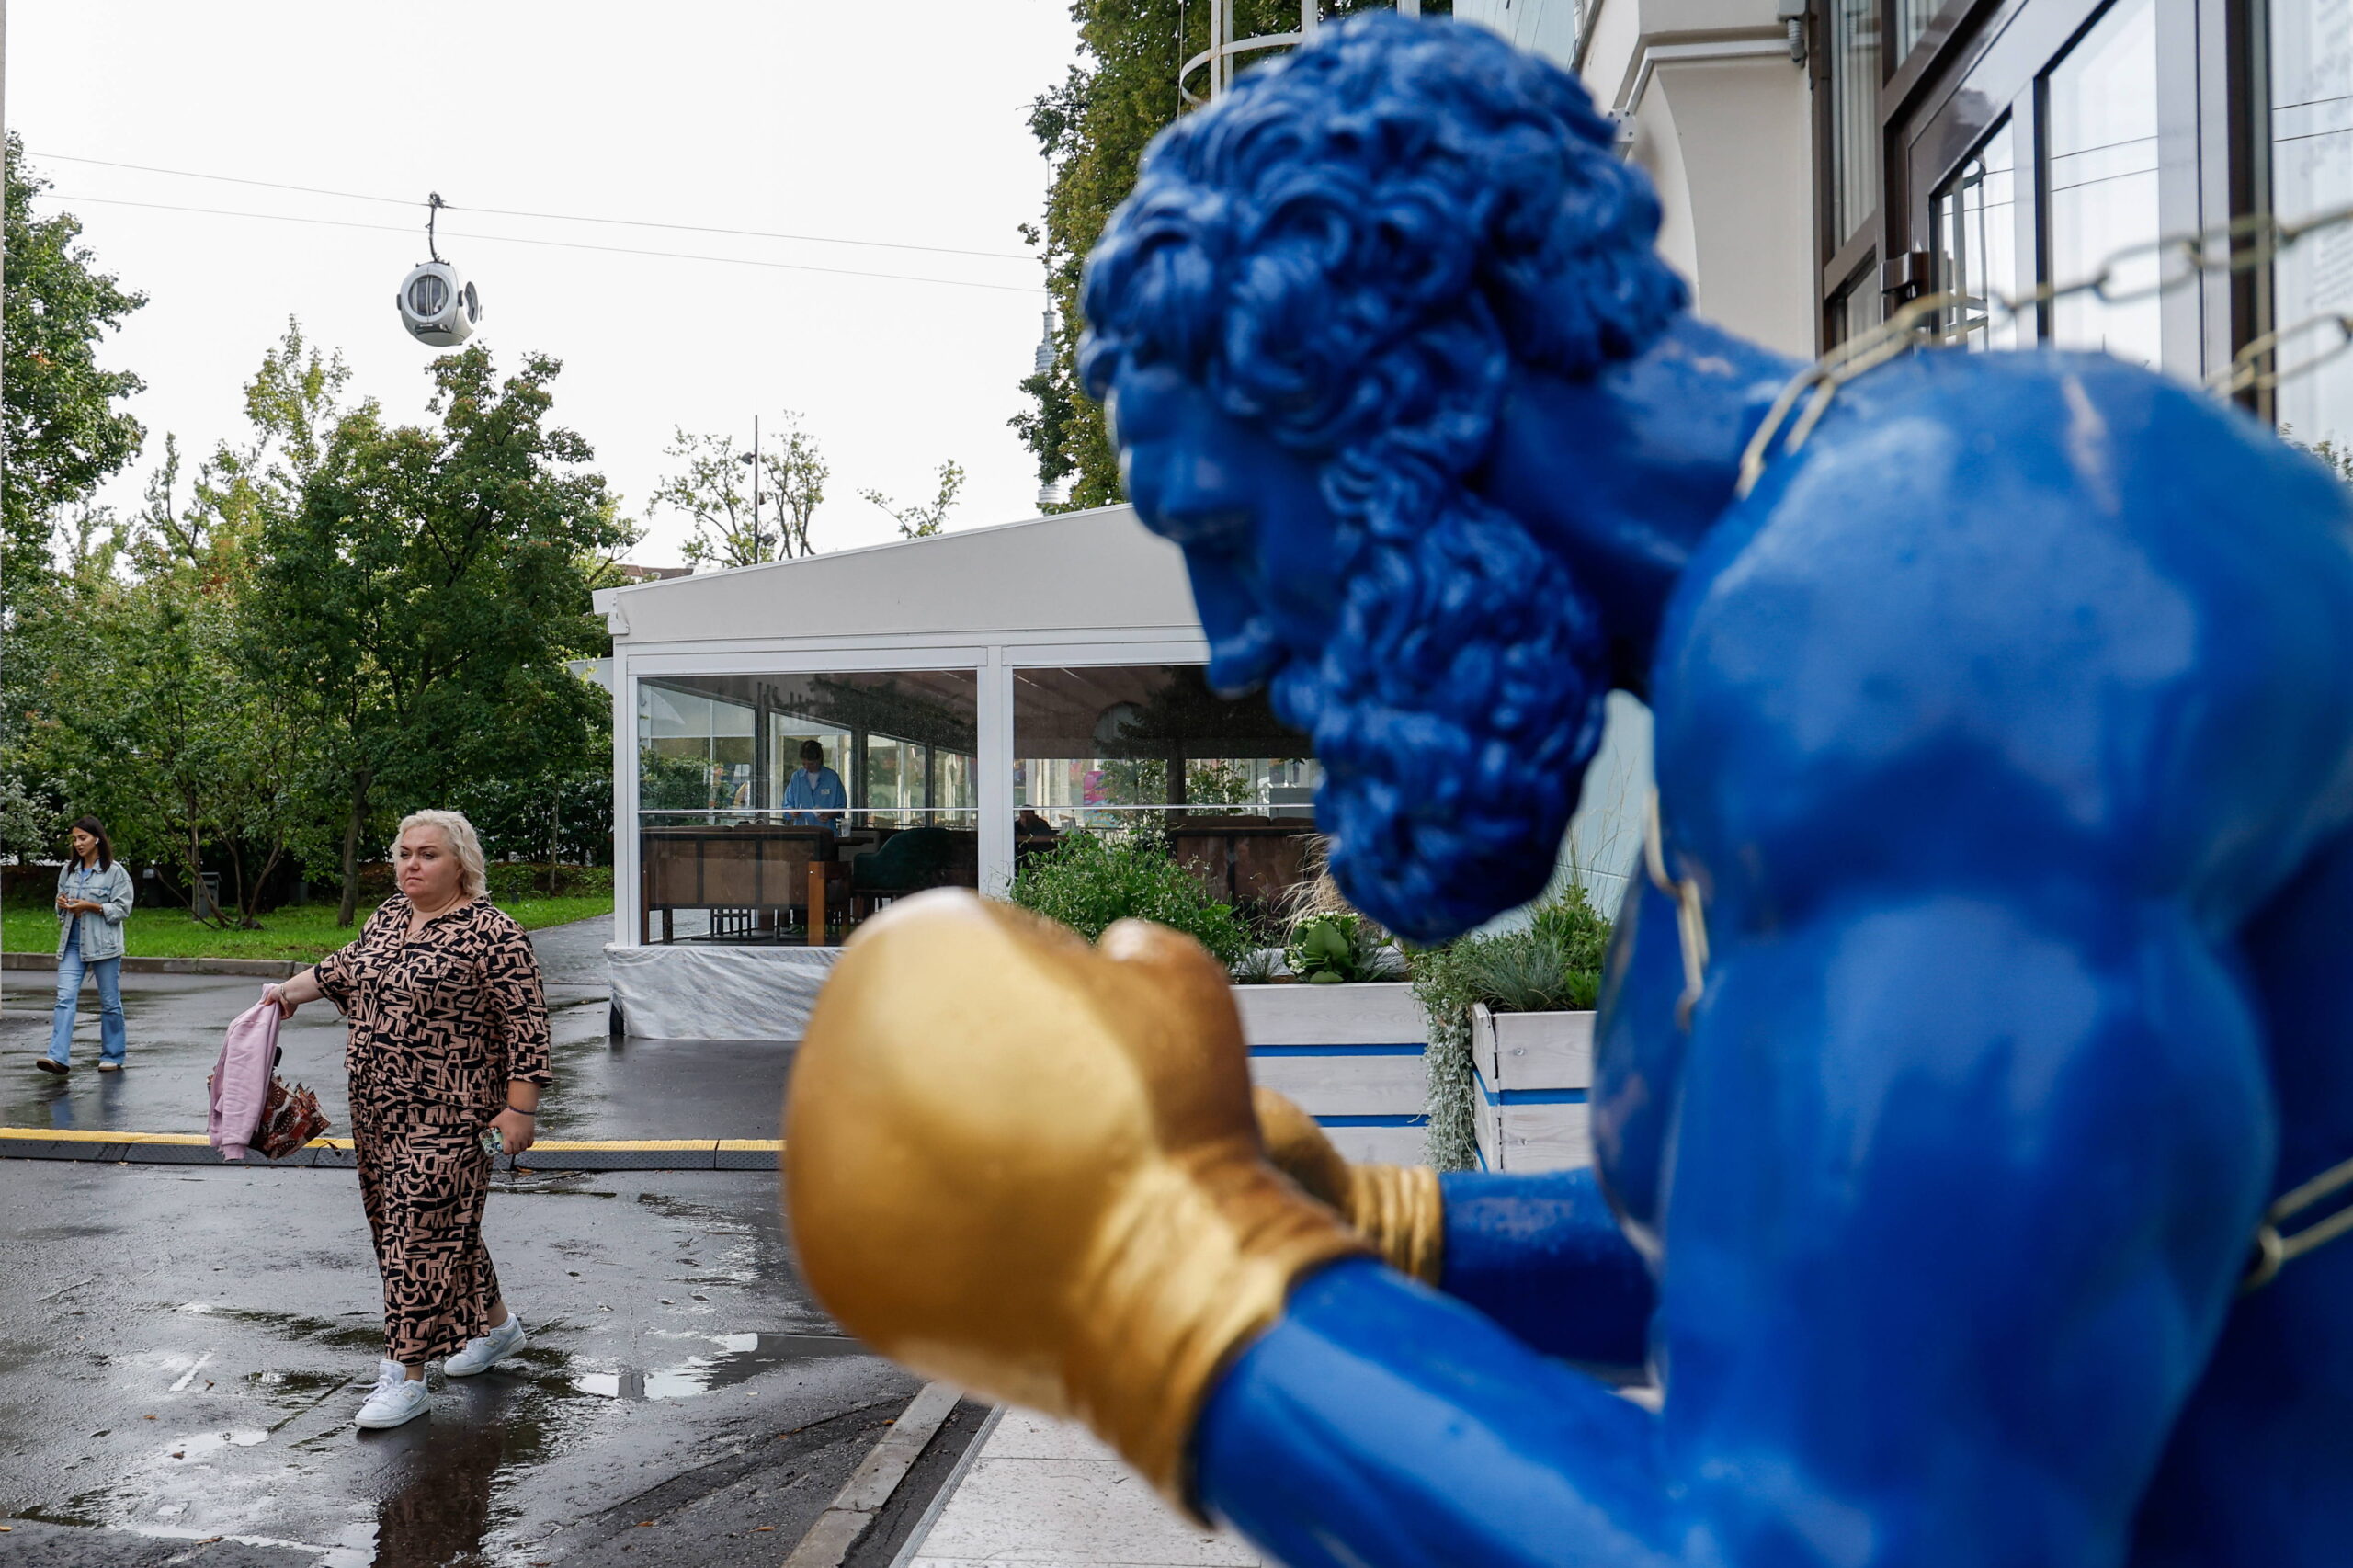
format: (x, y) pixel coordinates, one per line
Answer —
(437, 304)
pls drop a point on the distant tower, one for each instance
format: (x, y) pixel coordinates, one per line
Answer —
(1047, 494)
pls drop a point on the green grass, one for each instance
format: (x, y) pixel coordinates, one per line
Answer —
(302, 933)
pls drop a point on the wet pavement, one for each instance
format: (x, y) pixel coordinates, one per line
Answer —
(606, 1088)
(181, 1350)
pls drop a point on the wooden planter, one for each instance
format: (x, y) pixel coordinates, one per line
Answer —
(1532, 1077)
(1351, 1057)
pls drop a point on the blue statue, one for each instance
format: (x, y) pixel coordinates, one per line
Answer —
(2005, 753)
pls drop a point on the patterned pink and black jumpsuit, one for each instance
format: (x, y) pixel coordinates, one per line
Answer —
(438, 1027)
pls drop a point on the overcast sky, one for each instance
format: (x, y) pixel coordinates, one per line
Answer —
(903, 123)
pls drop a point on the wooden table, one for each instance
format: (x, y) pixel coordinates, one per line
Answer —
(757, 870)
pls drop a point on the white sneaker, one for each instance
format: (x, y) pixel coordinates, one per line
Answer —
(398, 1398)
(482, 1354)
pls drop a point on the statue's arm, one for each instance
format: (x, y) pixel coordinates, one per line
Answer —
(1961, 1193)
(1543, 1257)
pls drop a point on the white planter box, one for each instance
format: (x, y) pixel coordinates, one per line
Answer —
(1532, 1074)
(1350, 1055)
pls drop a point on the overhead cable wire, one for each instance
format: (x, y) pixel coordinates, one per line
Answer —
(560, 244)
(546, 217)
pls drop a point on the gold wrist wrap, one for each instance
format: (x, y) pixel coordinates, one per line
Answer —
(1192, 1264)
(1030, 1168)
(1398, 1208)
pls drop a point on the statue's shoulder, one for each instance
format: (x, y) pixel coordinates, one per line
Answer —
(2019, 586)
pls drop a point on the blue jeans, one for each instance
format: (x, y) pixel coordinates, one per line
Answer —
(114, 1043)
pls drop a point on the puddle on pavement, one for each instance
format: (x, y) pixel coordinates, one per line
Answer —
(202, 1444)
(740, 1357)
(441, 1484)
(364, 1336)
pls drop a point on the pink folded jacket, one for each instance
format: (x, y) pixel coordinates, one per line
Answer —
(241, 1079)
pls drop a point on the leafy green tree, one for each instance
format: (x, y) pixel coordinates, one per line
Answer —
(796, 473)
(712, 487)
(65, 433)
(1093, 127)
(152, 721)
(421, 604)
(293, 406)
(156, 729)
(919, 521)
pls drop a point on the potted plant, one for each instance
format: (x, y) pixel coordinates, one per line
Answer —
(1511, 1034)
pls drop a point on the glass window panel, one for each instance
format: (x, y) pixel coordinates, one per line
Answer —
(1104, 748)
(1977, 247)
(2103, 180)
(1912, 20)
(1859, 309)
(719, 857)
(1854, 113)
(2311, 172)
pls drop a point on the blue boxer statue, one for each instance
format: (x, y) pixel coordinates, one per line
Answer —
(2005, 753)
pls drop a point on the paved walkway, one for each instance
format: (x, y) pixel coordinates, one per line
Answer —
(1044, 1493)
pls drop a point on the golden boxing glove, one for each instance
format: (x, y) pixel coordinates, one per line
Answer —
(1029, 1166)
(1398, 1208)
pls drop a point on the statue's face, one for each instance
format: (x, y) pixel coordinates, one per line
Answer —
(1447, 674)
(1257, 538)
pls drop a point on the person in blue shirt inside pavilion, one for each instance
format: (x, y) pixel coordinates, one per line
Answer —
(816, 797)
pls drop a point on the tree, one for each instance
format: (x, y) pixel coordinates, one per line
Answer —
(156, 728)
(712, 489)
(1092, 128)
(292, 403)
(420, 604)
(797, 472)
(920, 521)
(65, 435)
(154, 720)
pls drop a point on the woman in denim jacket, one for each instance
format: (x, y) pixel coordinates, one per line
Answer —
(93, 901)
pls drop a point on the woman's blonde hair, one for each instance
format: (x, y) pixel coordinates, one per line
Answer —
(472, 879)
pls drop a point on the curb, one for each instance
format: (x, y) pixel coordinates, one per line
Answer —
(265, 969)
(335, 1153)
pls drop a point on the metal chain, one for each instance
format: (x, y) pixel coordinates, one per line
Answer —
(1690, 916)
(2240, 245)
(2273, 1249)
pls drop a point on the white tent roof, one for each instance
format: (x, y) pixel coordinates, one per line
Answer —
(1094, 571)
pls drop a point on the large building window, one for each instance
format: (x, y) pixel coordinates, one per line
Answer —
(1912, 20)
(2102, 179)
(1853, 115)
(766, 798)
(2311, 172)
(1977, 247)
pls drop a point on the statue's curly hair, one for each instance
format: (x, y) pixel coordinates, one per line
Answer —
(1357, 240)
(1349, 252)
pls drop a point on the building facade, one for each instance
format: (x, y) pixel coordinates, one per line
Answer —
(1988, 147)
(1884, 150)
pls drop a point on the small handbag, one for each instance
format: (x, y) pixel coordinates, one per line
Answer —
(289, 1118)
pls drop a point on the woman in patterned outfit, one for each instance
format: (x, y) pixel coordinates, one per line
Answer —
(448, 1043)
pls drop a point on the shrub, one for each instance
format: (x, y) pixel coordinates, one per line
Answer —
(1258, 967)
(1553, 964)
(1089, 879)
